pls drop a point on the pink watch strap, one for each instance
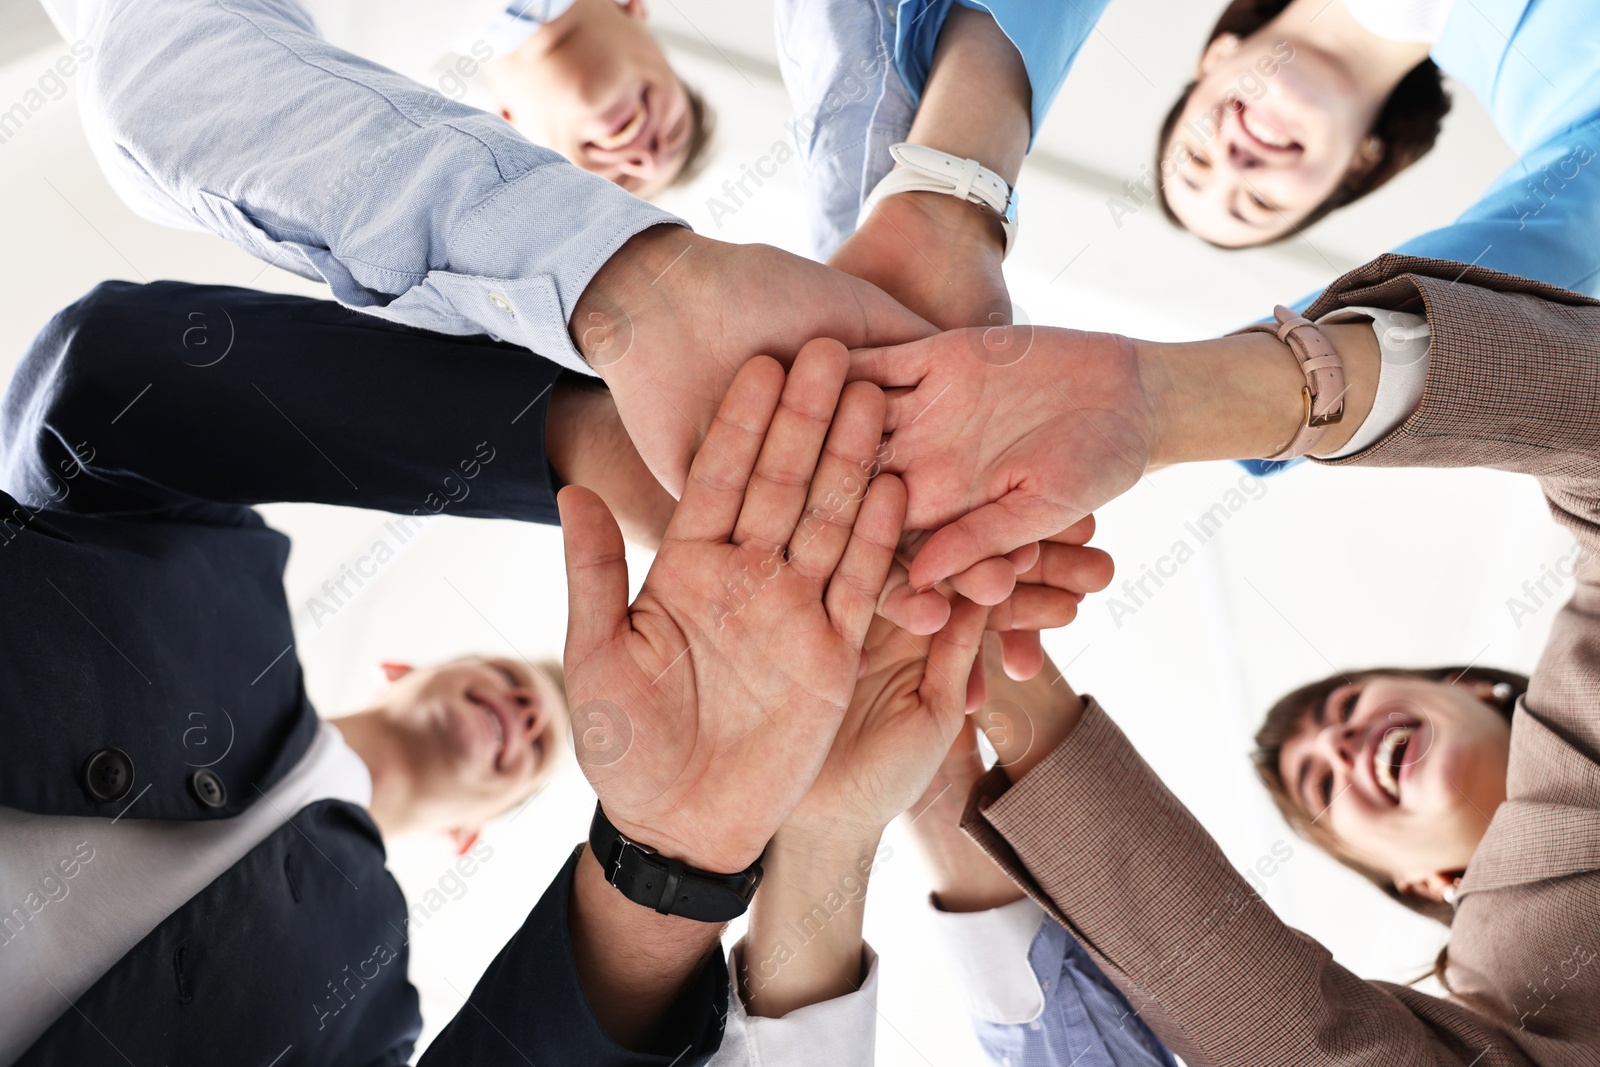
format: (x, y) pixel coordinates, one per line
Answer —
(1324, 370)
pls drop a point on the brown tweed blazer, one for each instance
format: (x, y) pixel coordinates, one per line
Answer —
(1094, 836)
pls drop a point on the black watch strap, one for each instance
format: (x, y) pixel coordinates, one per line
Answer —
(669, 886)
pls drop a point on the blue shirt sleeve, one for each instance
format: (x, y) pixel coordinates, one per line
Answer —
(235, 117)
(1540, 219)
(1086, 1022)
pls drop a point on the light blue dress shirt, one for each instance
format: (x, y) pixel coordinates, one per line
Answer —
(855, 71)
(234, 116)
(1535, 65)
(1086, 1022)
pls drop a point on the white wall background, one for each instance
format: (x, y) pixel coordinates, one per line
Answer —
(1423, 562)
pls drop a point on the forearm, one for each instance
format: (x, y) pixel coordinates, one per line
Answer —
(1239, 397)
(804, 946)
(589, 446)
(976, 103)
(633, 963)
(975, 106)
(963, 878)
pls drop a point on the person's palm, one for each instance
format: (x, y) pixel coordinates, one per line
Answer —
(673, 316)
(1009, 436)
(702, 713)
(906, 710)
(937, 255)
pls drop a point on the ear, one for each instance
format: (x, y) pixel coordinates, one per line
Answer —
(1431, 886)
(1221, 47)
(1368, 155)
(392, 671)
(463, 839)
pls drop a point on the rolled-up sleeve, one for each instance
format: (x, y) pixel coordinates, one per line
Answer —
(236, 117)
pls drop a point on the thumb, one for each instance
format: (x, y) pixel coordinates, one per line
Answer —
(883, 320)
(951, 657)
(597, 572)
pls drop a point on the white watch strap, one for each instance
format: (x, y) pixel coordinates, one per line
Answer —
(928, 170)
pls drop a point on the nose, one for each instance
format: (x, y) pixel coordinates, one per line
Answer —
(1339, 743)
(642, 162)
(532, 713)
(1241, 157)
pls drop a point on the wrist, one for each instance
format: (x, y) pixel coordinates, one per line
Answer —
(633, 284)
(972, 227)
(828, 844)
(1048, 714)
(961, 875)
(713, 857)
(1240, 397)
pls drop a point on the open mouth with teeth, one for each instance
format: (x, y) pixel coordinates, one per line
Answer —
(1389, 758)
(1266, 133)
(496, 725)
(629, 129)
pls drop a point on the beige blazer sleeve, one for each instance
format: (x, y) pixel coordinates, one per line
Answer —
(1093, 834)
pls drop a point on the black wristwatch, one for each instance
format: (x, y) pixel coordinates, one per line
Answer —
(670, 887)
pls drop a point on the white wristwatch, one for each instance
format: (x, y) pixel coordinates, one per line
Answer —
(928, 170)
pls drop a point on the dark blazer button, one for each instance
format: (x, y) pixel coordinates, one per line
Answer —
(108, 775)
(207, 789)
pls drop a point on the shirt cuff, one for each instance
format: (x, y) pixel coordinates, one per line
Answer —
(1406, 344)
(838, 1033)
(990, 949)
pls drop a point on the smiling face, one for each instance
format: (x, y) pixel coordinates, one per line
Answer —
(473, 738)
(1404, 773)
(595, 86)
(1270, 131)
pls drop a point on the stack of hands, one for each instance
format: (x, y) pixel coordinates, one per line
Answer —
(794, 673)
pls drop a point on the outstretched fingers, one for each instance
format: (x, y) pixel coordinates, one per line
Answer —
(857, 581)
(789, 459)
(715, 492)
(841, 483)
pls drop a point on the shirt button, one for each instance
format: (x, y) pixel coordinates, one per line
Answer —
(108, 775)
(501, 303)
(207, 789)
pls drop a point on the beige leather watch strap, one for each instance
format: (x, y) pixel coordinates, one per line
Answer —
(1325, 387)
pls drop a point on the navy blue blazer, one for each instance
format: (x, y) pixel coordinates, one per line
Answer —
(146, 596)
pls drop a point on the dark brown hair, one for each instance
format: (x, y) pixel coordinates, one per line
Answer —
(1407, 126)
(703, 124)
(1284, 721)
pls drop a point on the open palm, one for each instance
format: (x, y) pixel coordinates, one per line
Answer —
(907, 709)
(714, 699)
